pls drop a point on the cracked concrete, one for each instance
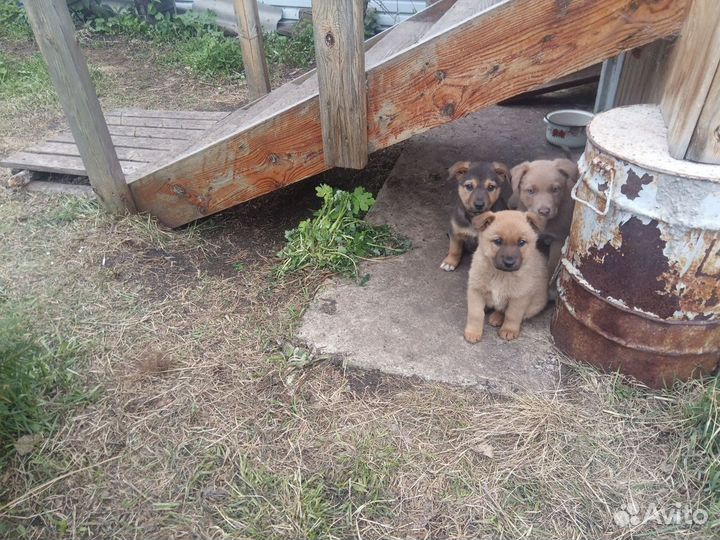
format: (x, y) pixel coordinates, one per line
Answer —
(409, 318)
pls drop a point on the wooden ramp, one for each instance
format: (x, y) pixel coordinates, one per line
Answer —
(140, 138)
(449, 60)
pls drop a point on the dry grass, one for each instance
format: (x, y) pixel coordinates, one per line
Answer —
(204, 428)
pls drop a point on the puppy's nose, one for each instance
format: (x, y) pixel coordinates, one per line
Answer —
(509, 262)
(544, 211)
(480, 206)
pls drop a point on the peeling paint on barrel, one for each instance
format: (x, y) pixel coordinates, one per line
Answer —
(639, 286)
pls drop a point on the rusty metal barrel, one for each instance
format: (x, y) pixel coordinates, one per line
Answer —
(639, 284)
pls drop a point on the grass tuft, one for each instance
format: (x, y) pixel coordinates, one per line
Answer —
(38, 382)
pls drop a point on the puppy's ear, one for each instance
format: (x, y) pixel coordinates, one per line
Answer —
(568, 169)
(501, 170)
(461, 167)
(483, 221)
(536, 221)
(516, 175)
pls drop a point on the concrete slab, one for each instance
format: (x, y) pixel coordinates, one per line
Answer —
(409, 318)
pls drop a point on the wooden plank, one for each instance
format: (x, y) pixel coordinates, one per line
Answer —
(183, 115)
(642, 75)
(175, 123)
(340, 58)
(705, 143)
(693, 66)
(70, 149)
(251, 43)
(157, 133)
(55, 35)
(41, 186)
(517, 46)
(120, 141)
(56, 164)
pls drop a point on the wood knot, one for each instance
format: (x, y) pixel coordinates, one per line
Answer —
(274, 159)
(440, 75)
(448, 110)
(180, 191)
(329, 39)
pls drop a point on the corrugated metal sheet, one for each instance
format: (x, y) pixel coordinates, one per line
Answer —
(390, 12)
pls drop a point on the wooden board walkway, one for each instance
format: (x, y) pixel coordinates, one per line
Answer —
(140, 138)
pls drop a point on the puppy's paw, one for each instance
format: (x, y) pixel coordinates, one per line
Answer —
(496, 318)
(449, 263)
(508, 333)
(473, 336)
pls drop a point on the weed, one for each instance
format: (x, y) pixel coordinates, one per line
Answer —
(37, 381)
(336, 239)
(209, 55)
(296, 51)
(13, 21)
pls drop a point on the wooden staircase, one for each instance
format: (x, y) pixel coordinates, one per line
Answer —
(449, 60)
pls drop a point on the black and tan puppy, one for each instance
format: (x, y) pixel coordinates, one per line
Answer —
(481, 187)
(508, 273)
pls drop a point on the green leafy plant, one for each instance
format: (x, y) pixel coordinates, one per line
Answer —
(295, 51)
(336, 238)
(13, 21)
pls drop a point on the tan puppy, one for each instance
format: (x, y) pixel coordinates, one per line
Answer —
(543, 187)
(508, 273)
(481, 187)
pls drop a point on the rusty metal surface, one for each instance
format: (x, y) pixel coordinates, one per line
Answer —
(640, 287)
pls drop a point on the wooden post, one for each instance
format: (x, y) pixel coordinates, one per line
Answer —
(55, 35)
(340, 58)
(251, 43)
(691, 98)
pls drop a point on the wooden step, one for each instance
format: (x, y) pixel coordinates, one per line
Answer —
(140, 137)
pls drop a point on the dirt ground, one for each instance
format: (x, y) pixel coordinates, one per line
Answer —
(201, 426)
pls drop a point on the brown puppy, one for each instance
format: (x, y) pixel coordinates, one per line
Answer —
(481, 187)
(543, 187)
(508, 273)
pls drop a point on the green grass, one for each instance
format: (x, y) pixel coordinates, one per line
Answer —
(38, 380)
(196, 42)
(267, 504)
(13, 22)
(704, 414)
(25, 83)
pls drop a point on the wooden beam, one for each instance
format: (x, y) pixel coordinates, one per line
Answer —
(691, 97)
(517, 46)
(55, 35)
(339, 54)
(251, 43)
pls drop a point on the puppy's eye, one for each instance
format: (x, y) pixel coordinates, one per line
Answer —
(531, 191)
(521, 243)
(491, 187)
(469, 186)
(497, 241)
(556, 189)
